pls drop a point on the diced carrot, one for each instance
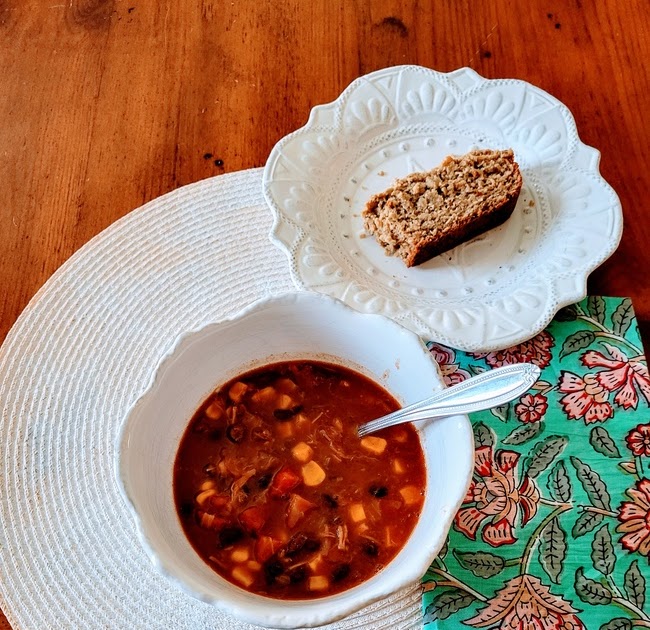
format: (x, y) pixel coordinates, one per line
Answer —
(206, 485)
(312, 474)
(374, 444)
(265, 547)
(214, 411)
(243, 576)
(255, 566)
(253, 518)
(398, 466)
(357, 513)
(298, 507)
(317, 583)
(302, 452)
(240, 554)
(283, 482)
(400, 435)
(362, 528)
(237, 391)
(411, 495)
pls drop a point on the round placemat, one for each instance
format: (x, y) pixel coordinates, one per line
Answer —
(76, 360)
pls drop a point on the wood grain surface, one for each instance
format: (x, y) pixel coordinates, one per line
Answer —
(106, 104)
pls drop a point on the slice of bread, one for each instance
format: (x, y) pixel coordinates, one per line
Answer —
(425, 214)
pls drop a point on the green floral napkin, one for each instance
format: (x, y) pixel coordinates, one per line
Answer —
(554, 532)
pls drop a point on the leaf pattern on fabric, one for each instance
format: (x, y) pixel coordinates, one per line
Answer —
(552, 549)
(554, 532)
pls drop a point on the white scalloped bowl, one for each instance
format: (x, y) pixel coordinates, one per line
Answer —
(295, 325)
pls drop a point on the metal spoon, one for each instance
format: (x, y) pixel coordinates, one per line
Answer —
(489, 389)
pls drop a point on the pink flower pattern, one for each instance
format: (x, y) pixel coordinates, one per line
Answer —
(531, 408)
(537, 350)
(524, 603)
(634, 517)
(621, 375)
(585, 398)
(450, 369)
(638, 440)
(495, 495)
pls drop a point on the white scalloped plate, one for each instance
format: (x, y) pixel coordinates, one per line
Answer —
(498, 289)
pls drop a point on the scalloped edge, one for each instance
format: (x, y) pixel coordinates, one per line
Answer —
(585, 158)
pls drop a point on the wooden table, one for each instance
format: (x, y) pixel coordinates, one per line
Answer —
(106, 104)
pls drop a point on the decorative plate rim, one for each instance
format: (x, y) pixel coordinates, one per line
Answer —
(559, 288)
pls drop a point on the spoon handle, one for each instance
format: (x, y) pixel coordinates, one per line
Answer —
(488, 389)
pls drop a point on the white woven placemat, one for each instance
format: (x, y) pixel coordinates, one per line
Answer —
(76, 360)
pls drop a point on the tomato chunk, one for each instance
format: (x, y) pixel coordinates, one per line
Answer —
(285, 481)
(253, 518)
(265, 547)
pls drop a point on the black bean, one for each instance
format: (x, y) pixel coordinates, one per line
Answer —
(330, 501)
(264, 481)
(272, 570)
(230, 535)
(265, 378)
(296, 543)
(297, 575)
(287, 414)
(236, 432)
(301, 543)
(378, 491)
(341, 572)
(371, 548)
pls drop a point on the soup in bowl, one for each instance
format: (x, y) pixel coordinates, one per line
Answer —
(246, 479)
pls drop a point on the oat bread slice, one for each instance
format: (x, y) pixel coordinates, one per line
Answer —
(425, 214)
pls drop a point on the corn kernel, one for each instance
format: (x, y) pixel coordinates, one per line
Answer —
(215, 410)
(312, 474)
(243, 576)
(284, 402)
(317, 583)
(357, 513)
(374, 444)
(237, 391)
(302, 452)
(240, 555)
(411, 495)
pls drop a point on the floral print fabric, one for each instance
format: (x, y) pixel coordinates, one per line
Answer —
(554, 532)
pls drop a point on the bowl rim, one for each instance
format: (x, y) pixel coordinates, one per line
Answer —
(281, 613)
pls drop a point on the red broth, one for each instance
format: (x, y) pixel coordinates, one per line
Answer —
(279, 496)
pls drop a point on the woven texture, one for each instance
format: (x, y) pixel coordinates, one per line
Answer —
(76, 360)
